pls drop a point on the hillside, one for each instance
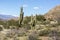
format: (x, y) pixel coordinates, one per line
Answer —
(54, 13)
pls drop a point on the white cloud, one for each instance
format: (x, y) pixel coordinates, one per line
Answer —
(25, 5)
(36, 8)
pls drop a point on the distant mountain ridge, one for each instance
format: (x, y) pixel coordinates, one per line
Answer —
(7, 17)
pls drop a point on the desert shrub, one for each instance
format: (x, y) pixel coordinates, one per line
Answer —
(45, 22)
(15, 38)
(27, 19)
(27, 27)
(1, 22)
(22, 32)
(1, 28)
(33, 35)
(12, 22)
(54, 33)
(5, 38)
(40, 18)
(6, 26)
(44, 32)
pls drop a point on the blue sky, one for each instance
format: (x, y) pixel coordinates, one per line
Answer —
(12, 7)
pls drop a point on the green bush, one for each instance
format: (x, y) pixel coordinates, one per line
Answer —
(1, 28)
(40, 18)
(44, 32)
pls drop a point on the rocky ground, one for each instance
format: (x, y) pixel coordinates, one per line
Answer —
(40, 32)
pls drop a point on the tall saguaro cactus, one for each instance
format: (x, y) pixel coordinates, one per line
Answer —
(21, 17)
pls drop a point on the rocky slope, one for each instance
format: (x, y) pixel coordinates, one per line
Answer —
(54, 13)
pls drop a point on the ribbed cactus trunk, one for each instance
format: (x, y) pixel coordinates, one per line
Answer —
(33, 22)
(21, 17)
(35, 19)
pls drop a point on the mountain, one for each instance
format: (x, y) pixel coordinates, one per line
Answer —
(7, 17)
(53, 14)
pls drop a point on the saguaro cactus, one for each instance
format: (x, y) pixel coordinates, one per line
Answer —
(33, 21)
(21, 17)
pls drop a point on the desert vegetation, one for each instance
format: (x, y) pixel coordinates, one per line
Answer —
(30, 28)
